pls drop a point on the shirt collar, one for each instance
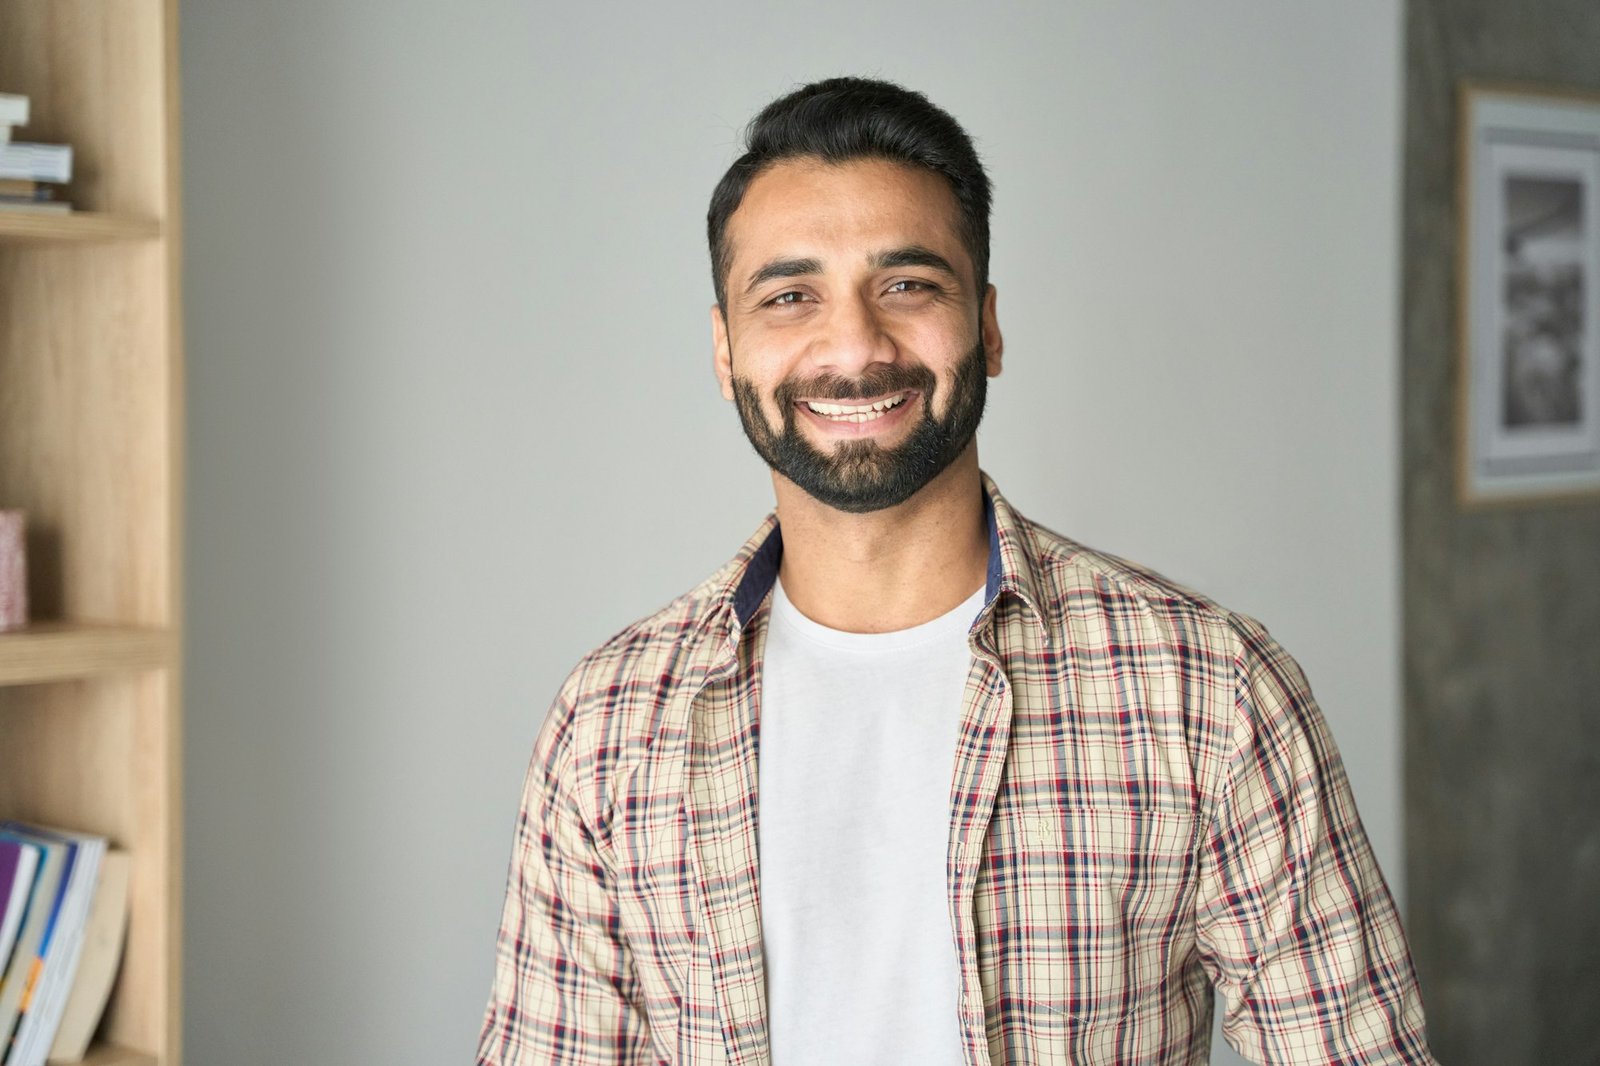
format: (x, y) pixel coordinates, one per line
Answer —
(1012, 567)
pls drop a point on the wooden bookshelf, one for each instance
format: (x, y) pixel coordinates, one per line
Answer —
(77, 226)
(63, 651)
(111, 1055)
(91, 424)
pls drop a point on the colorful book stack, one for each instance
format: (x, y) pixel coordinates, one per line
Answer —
(30, 173)
(65, 910)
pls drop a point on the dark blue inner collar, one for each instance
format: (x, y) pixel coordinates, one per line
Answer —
(758, 576)
(762, 570)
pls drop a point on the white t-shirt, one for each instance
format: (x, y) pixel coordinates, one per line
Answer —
(858, 740)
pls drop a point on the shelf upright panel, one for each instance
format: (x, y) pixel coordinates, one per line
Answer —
(90, 448)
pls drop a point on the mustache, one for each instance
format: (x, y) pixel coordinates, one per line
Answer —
(878, 379)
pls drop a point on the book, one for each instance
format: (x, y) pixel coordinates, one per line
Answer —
(13, 109)
(22, 969)
(15, 188)
(62, 945)
(28, 1006)
(18, 864)
(28, 161)
(103, 937)
(44, 207)
(13, 586)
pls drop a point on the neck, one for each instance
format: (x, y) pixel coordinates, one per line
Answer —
(889, 569)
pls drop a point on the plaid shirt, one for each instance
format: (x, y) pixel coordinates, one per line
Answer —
(1145, 803)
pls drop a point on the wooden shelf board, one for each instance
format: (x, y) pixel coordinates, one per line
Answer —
(58, 651)
(111, 1055)
(74, 226)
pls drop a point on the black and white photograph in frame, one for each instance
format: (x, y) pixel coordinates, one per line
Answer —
(1530, 370)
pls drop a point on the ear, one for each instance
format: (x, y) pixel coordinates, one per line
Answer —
(989, 324)
(721, 352)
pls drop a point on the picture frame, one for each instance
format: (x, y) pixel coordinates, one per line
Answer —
(1529, 295)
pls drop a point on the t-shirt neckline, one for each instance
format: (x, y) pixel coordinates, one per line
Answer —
(950, 625)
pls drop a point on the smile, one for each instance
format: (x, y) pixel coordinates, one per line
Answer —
(865, 412)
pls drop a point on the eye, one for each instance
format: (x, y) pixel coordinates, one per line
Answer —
(786, 299)
(910, 285)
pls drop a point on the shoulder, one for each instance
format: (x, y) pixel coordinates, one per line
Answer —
(1232, 667)
(618, 700)
(653, 648)
(1076, 579)
(1231, 689)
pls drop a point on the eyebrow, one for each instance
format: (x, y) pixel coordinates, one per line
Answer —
(783, 268)
(909, 256)
(913, 256)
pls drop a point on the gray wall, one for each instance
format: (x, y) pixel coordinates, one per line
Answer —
(1502, 626)
(453, 421)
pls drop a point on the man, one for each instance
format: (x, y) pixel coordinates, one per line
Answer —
(912, 779)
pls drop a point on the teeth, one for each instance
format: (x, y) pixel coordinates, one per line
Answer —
(857, 412)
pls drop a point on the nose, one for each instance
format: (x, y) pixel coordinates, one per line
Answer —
(854, 339)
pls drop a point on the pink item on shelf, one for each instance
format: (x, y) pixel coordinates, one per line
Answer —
(13, 572)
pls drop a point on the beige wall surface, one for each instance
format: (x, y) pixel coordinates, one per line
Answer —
(452, 420)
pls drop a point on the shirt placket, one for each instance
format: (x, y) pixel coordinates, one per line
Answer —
(979, 767)
(722, 847)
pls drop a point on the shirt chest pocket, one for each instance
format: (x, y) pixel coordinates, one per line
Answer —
(1094, 901)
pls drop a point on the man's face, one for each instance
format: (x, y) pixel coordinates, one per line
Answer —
(855, 344)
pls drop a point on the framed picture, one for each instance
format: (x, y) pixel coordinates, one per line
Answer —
(1530, 294)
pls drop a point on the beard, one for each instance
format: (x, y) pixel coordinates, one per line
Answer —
(859, 476)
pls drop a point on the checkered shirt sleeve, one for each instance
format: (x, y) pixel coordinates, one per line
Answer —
(1294, 922)
(564, 990)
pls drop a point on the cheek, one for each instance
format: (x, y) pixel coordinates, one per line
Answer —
(769, 353)
(942, 344)
(763, 367)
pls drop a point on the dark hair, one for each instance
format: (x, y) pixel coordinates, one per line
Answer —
(841, 119)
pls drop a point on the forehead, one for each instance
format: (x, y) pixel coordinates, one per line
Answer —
(807, 207)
